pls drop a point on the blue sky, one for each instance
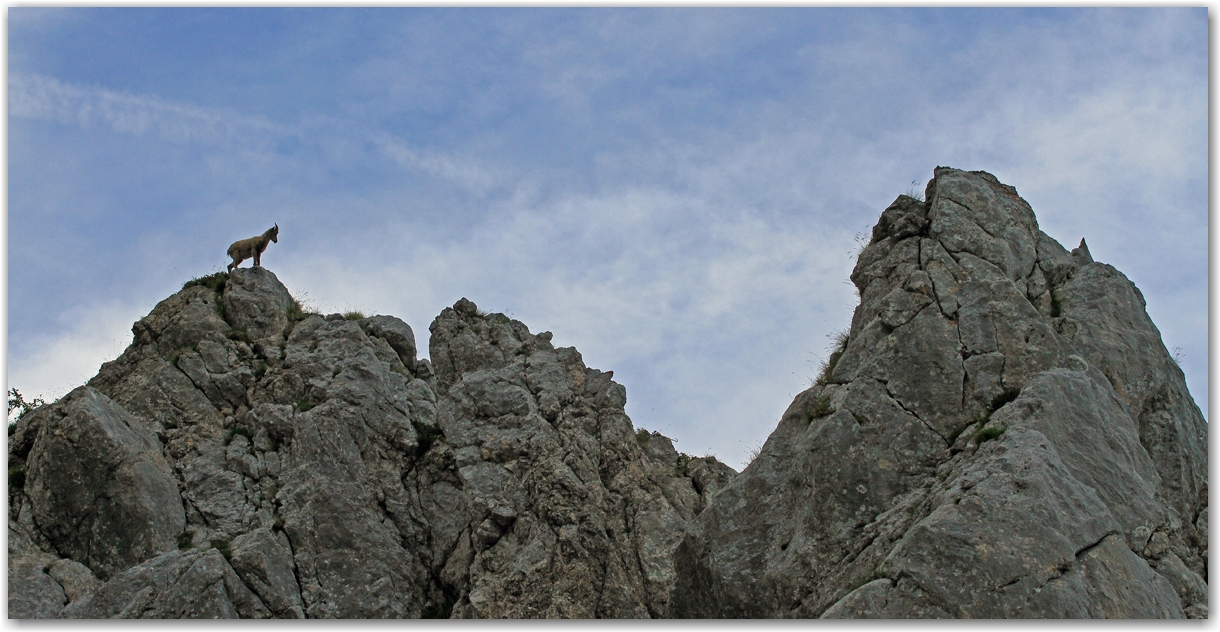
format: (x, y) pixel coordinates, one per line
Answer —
(674, 192)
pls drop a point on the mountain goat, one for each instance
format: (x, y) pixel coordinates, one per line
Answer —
(253, 247)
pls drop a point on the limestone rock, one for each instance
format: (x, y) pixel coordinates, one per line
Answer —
(548, 499)
(99, 488)
(1003, 435)
(175, 585)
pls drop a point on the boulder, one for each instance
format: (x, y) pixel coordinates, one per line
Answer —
(99, 488)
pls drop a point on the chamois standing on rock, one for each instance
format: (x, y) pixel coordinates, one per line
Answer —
(253, 247)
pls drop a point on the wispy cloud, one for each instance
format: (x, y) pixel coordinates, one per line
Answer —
(35, 96)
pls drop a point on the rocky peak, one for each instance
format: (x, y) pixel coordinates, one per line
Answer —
(1001, 434)
(978, 447)
(245, 458)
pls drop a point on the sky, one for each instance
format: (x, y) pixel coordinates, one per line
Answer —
(677, 193)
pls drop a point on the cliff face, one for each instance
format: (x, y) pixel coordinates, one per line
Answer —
(1003, 434)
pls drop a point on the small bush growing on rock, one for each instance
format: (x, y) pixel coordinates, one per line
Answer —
(223, 547)
(184, 540)
(354, 315)
(820, 407)
(1008, 395)
(828, 367)
(215, 282)
(304, 405)
(989, 433)
(17, 403)
(642, 436)
(754, 452)
(683, 466)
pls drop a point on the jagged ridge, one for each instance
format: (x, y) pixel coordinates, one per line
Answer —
(1003, 435)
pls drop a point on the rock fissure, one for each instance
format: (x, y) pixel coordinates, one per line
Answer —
(893, 397)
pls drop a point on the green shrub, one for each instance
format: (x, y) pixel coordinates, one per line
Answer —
(840, 345)
(215, 282)
(304, 405)
(820, 407)
(184, 539)
(223, 547)
(17, 402)
(1008, 395)
(642, 437)
(354, 315)
(989, 433)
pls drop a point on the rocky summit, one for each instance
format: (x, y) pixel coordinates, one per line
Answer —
(1001, 433)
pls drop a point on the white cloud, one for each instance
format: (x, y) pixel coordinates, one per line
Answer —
(59, 363)
(35, 96)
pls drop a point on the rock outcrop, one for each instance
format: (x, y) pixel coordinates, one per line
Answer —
(1002, 434)
(243, 458)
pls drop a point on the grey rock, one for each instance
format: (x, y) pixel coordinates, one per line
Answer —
(1103, 316)
(32, 592)
(1001, 437)
(561, 509)
(268, 570)
(257, 303)
(75, 578)
(175, 585)
(395, 332)
(99, 487)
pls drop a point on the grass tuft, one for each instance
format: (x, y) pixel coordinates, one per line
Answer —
(989, 433)
(223, 547)
(1008, 395)
(840, 339)
(215, 282)
(820, 407)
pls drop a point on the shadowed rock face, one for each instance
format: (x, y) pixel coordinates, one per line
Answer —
(1002, 435)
